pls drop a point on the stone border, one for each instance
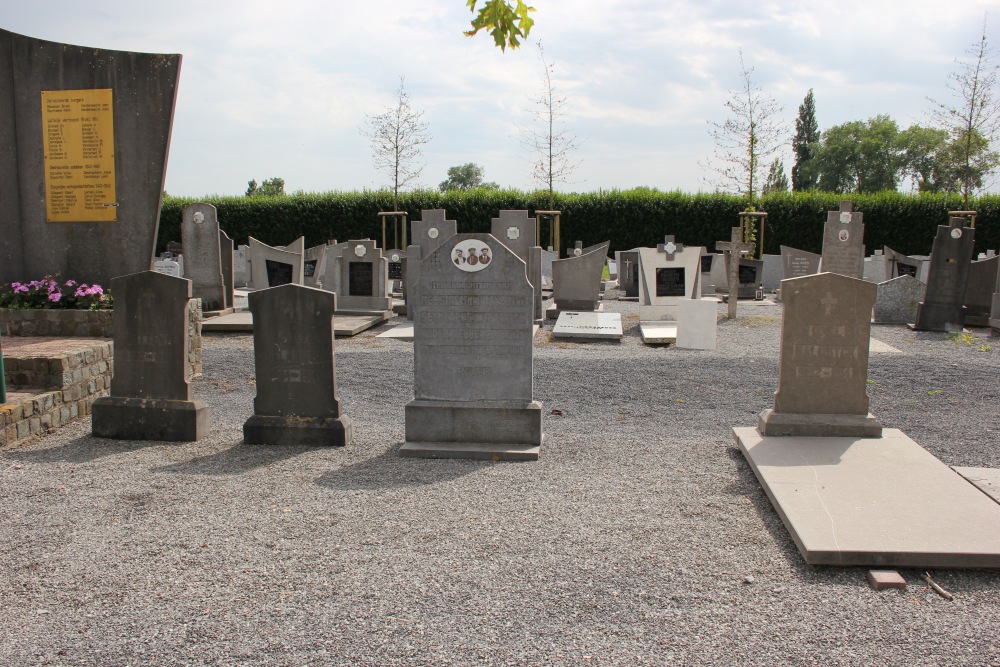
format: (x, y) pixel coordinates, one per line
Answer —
(47, 322)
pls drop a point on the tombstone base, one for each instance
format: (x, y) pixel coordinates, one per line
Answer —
(495, 430)
(122, 418)
(939, 317)
(555, 311)
(771, 424)
(298, 431)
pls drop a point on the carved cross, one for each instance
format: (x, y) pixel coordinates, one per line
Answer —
(734, 249)
(668, 247)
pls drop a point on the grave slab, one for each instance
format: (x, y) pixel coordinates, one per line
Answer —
(697, 323)
(845, 502)
(588, 326)
(658, 333)
(242, 321)
(986, 480)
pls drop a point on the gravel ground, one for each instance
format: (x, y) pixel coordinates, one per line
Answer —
(641, 536)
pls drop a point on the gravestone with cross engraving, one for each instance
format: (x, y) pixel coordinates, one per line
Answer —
(667, 274)
(517, 231)
(576, 281)
(734, 247)
(150, 395)
(942, 308)
(472, 355)
(628, 274)
(823, 369)
(843, 242)
(297, 401)
(426, 235)
(200, 235)
(364, 279)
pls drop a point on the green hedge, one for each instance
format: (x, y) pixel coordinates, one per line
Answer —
(629, 218)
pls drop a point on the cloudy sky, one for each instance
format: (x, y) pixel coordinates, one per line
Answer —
(282, 88)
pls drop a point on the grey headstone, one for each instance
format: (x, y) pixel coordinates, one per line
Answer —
(297, 401)
(771, 273)
(144, 89)
(897, 300)
(979, 290)
(876, 268)
(823, 374)
(576, 280)
(628, 273)
(473, 355)
(228, 279)
(517, 231)
(748, 275)
(796, 263)
(426, 235)
(708, 261)
(241, 271)
(665, 278)
(271, 267)
(942, 308)
(314, 266)
(330, 280)
(364, 276)
(396, 269)
(150, 395)
(843, 242)
(897, 264)
(200, 235)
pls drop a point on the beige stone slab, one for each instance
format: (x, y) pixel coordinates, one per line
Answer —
(876, 346)
(242, 321)
(405, 332)
(986, 480)
(874, 502)
(658, 333)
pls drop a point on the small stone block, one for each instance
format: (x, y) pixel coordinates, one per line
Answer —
(880, 579)
(482, 451)
(298, 431)
(123, 418)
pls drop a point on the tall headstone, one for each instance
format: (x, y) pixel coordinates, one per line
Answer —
(84, 137)
(426, 235)
(843, 242)
(297, 401)
(241, 270)
(823, 373)
(667, 274)
(473, 355)
(771, 273)
(314, 266)
(517, 231)
(271, 267)
(364, 279)
(226, 250)
(942, 308)
(979, 289)
(576, 281)
(150, 396)
(396, 267)
(200, 236)
(628, 274)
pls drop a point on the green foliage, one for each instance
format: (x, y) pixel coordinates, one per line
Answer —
(271, 187)
(776, 181)
(629, 218)
(52, 294)
(465, 177)
(507, 23)
(805, 144)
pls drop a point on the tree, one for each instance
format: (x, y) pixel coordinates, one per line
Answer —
(861, 156)
(928, 155)
(396, 137)
(973, 121)
(805, 144)
(548, 137)
(503, 20)
(776, 179)
(747, 139)
(465, 177)
(270, 187)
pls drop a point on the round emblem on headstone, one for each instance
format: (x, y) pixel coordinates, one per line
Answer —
(432, 232)
(845, 218)
(577, 252)
(844, 235)
(360, 250)
(199, 217)
(513, 233)
(956, 233)
(394, 257)
(471, 255)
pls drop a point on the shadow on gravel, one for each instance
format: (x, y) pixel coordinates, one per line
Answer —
(84, 450)
(390, 471)
(239, 459)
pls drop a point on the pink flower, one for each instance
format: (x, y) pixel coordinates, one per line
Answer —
(55, 296)
(70, 283)
(96, 289)
(19, 288)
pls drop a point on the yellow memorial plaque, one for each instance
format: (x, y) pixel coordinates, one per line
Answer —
(79, 149)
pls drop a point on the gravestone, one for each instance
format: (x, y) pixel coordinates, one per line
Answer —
(314, 266)
(426, 235)
(897, 300)
(576, 250)
(628, 274)
(737, 247)
(586, 326)
(979, 289)
(271, 267)
(876, 268)
(241, 272)
(167, 267)
(226, 255)
(823, 373)
(898, 264)
(796, 263)
(771, 273)
(517, 231)
(397, 262)
(951, 256)
(364, 286)
(150, 396)
(667, 274)
(84, 137)
(748, 276)
(994, 320)
(200, 236)
(576, 281)
(697, 323)
(473, 356)
(707, 263)
(297, 401)
(330, 277)
(547, 258)
(298, 246)
(843, 242)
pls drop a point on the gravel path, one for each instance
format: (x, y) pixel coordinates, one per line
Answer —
(640, 537)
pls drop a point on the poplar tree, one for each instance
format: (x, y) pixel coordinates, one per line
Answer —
(804, 144)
